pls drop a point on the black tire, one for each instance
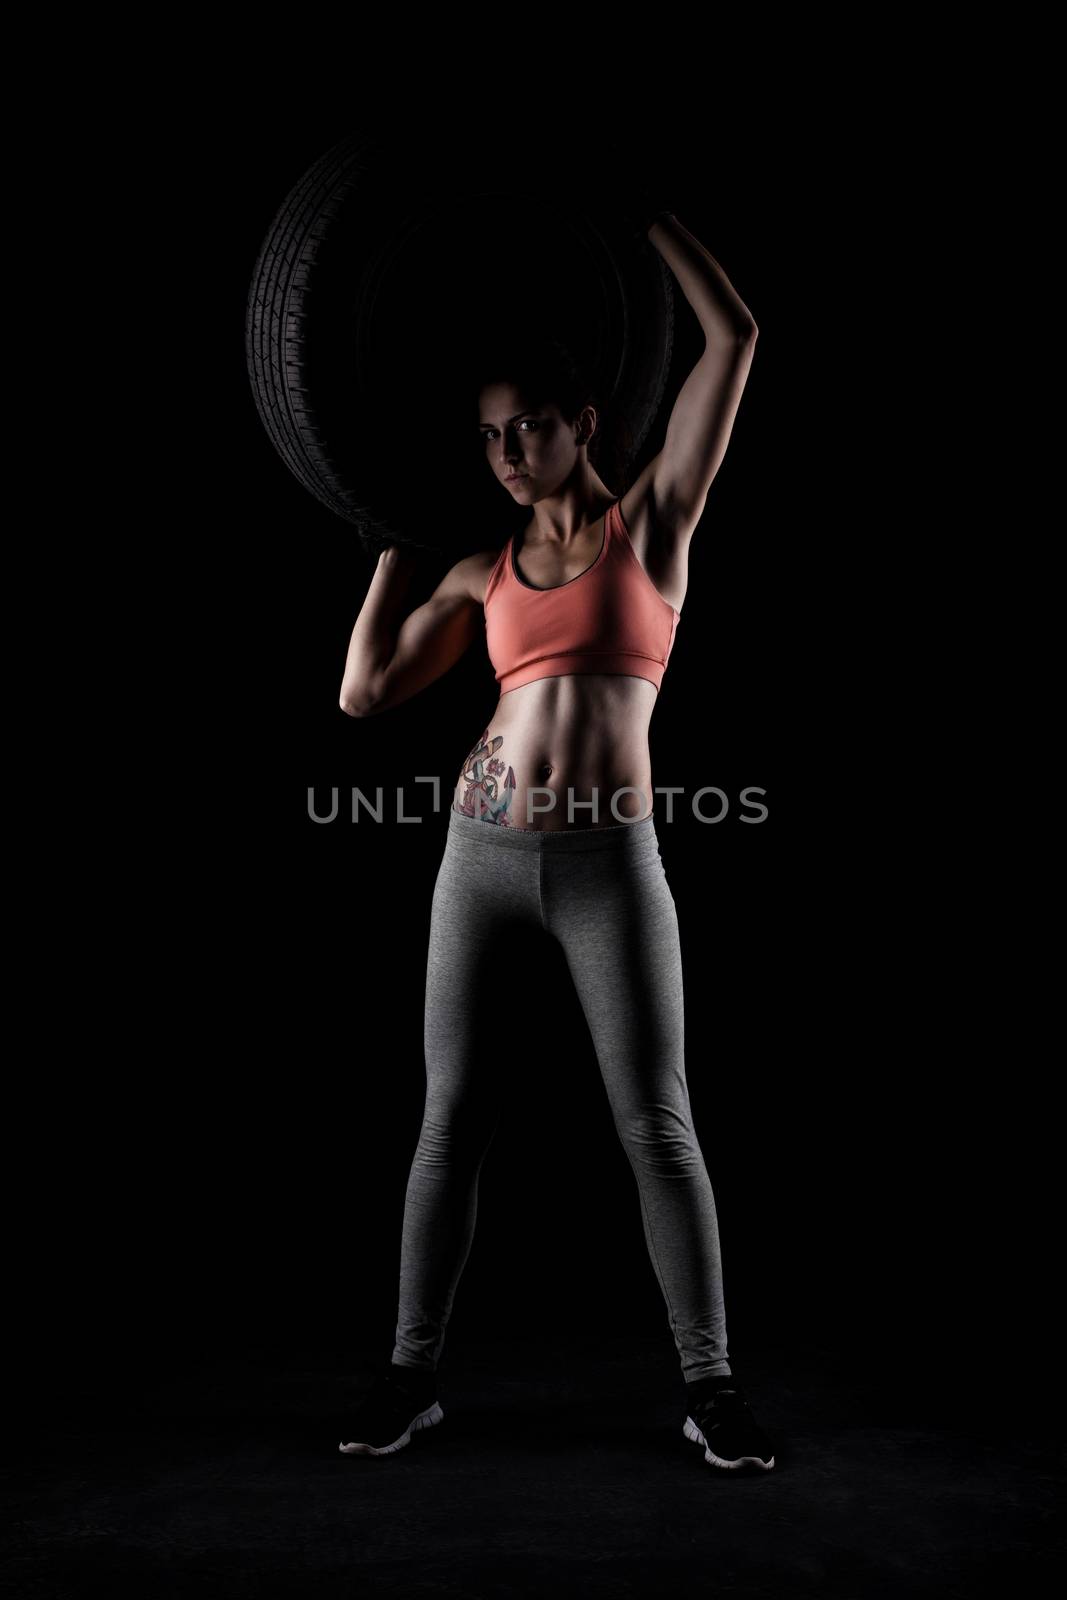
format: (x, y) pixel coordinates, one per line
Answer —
(378, 271)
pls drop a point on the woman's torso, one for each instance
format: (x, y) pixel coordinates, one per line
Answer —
(560, 741)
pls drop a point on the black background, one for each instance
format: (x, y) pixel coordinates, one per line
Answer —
(238, 1162)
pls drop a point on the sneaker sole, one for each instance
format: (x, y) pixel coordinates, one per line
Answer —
(425, 1419)
(691, 1431)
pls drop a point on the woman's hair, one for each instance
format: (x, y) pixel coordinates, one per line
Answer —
(545, 369)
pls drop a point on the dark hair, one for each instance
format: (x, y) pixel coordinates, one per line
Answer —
(545, 369)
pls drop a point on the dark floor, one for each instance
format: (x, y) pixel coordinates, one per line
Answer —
(559, 1469)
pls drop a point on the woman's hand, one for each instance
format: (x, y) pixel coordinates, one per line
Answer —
(375, 539)
(645, 189)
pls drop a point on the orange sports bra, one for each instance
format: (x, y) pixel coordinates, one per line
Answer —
(610, 618)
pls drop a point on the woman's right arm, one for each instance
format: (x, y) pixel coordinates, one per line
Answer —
(391, 657)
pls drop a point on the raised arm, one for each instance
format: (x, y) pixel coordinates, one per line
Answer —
(391, 657)
(702, 419)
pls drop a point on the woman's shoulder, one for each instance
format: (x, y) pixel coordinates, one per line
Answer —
(473, 572)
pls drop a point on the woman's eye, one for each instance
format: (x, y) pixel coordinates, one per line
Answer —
(527, 422)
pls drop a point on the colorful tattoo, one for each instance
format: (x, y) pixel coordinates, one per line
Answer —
(486, 798)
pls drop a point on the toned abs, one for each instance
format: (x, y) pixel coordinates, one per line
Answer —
(554, 746)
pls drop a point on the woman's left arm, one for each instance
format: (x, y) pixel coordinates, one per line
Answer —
(678, 479)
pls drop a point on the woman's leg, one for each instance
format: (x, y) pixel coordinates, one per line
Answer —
(482, 894)
(613, 912)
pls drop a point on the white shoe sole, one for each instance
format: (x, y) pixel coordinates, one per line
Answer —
(425, 1419)
(691, 1431)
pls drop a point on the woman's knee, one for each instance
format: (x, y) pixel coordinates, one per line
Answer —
(457, 1130)
(662, 1142)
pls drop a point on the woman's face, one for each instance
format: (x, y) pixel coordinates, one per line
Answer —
(530, 448)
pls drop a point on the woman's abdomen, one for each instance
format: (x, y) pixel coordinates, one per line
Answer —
(562, 753)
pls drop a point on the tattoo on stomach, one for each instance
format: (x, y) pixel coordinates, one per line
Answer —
(490, 783)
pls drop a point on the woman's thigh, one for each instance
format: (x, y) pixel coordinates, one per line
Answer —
(485, 908)
(615, 917)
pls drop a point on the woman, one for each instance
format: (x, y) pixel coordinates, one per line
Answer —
(553, 806)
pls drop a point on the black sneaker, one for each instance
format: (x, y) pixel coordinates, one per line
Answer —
(399, 1403)
(720, 1419)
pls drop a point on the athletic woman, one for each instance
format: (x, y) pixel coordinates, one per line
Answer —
(552, 808)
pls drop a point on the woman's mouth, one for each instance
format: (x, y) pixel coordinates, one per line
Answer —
(513, 477)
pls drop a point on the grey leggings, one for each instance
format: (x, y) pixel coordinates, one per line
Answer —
(603, 894)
